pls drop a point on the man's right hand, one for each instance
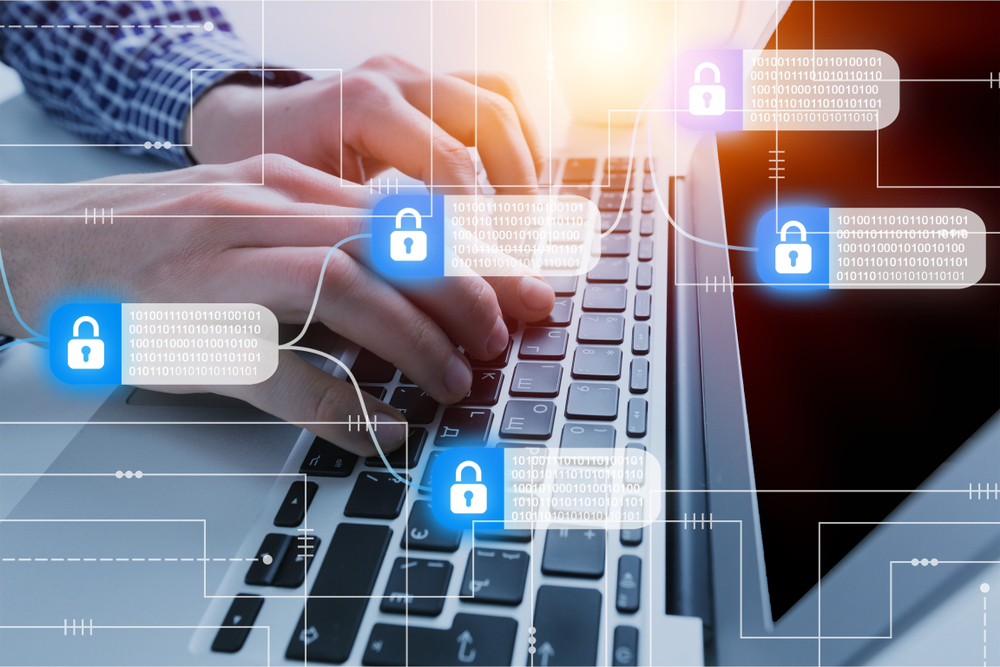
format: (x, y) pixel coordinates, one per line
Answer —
(214, 234)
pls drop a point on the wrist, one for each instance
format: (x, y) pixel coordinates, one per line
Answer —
(225, 125)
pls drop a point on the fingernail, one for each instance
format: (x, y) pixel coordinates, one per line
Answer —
(498, 339)
(457, 376)
(536, 294)
(389, 435)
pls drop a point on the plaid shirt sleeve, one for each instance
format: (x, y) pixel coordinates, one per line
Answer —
(125, 73)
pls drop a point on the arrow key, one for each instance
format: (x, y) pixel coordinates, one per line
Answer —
(567, 626)
(423, 531)
(236, 626)
(471, 640)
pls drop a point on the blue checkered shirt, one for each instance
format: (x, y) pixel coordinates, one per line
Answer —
(124, 73)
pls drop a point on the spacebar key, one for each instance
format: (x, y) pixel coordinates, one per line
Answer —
(472, 640)
(340, 595)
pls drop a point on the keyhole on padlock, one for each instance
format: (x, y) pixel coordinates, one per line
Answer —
(708, 100)
(468, 498)
(409, 244)
(85, 351)
(793, 255)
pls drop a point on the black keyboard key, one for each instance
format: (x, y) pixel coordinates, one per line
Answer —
(500, 577)
(464, 427)
(612, 201)
(326, 459)
(640, 338)
(415, 404)
(417, 586)
(531, 420)
(561, 315)
(605, 298)
(647, 225)
(576, 190)
(617, 165)
(630, 537)
(293, 507)
(645, 250)
(376, 495)
(629, 578)
(644, 276)
(562, 285)
(643, 305)
(298, 559)
(616, 182)
(626, 647)
(374, 390)
(350, 568)
(636, 427)
(472, 640)
(648, 202)
(608, 329)
(567, 626)
(638, 377)
(370, 368)
(485, 388)
(609, 218)
(548, 344)
(616, 245)
(579, 170)
(647, 183)
(405, 457)
(587, 400)
(609, 270)
(425, 480)
(536, 378)
(574, 552)
(236, 626)
(424, 533)
(264, 570)
(597, 363)
(592, 436)
(499, 361)
(405, 380)
(501, 534)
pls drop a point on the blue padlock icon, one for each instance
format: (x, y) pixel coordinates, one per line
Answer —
(85, 353)
(408, 246)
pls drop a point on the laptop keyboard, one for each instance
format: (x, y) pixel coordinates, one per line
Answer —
(578, 379)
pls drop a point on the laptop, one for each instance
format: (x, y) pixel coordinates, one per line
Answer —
(231, 538)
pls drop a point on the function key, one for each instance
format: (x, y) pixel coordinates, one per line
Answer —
(416, 586)
(591, 436)
(293, 507)
(604, 299)
(645, 249)
(485, 388)
(531, 420)
(646, 225)
(376, 495)
(562, 285)
(500, 576)
(579, 170)
(573, 552)
(630, 537)
(567, 626)
(636, 425)
(597, 363)
(629, 579)
(638, 378)
(561, 315)
(406, 456)
(326, 459)
(536, 379)
(297, 560)
(643, 305)
(609, 270)
(548, 344)
(424, 533)
(616, 245)
(594, 401)
(600, 329)
(264, 569)
(644, 276)
(640, 338)
(626, 647)
(236, 626)
(608, 220)
(370, 368)
(415, 403)
(498, 362)
(464, 427)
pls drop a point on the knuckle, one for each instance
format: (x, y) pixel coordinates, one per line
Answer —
(504, 84)
(499, 108)
(364, 84)
(451, 152)
(482, 302)
(386, 61)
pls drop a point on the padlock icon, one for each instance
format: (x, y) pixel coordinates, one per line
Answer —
(468, 498)
(408, 246)
(707, 100)
(793, 257)
(85, 353)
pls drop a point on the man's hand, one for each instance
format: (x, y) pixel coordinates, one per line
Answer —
(214, 234)
(386, 122)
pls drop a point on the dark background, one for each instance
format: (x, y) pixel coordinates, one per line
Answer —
(868, 389)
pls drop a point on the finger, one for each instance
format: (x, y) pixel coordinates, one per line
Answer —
(355, 303)
(461, 109)
(504, 85)
(300, 393)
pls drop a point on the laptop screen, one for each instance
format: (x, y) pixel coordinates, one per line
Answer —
(868, 389)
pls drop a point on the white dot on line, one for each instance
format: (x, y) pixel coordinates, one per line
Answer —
(934, 562)
(531, 640)
(158, 145)
(267, 559)
(167, 144)
(985, 588)
(128, 473)
(119, 474)
(550, 57)
(138, 474)
(209, 26)
(914, 562)
(148, 144)
(550, 77)
(531, 649)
